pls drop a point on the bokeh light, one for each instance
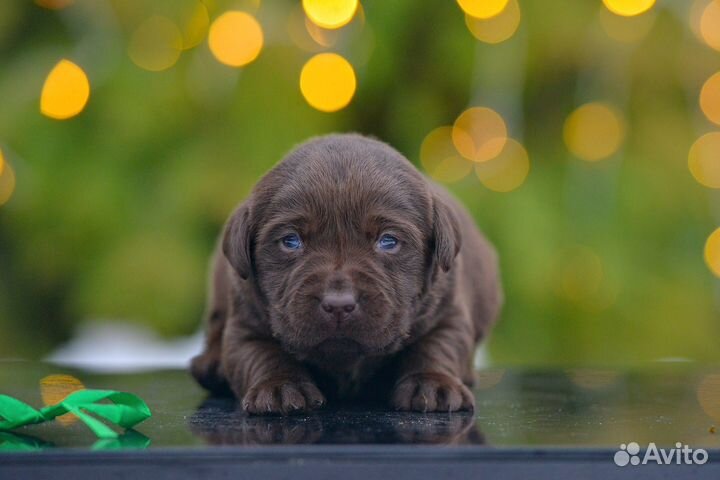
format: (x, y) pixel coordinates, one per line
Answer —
(327, 82)
(330, 13)
(483, 8)
(626, 29)
(708, 395)
(710, 24)
(235, 38)
(7, 182)
(508, 170)
(440, 159)
(629, 8)
(324, 37)
(2, 162)
(710, 98)
(712, 252)
(581, 279)
(594, 131)
(54, 4)
(54, 389)
(498, 28)
(479, 134)
(65, 92)
(298, 31)
(581, 274)
(313, 38)
(155, 44)
(704, 160)
(488, 378)
(195, 23)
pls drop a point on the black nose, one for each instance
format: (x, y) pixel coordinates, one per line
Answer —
(338, 302)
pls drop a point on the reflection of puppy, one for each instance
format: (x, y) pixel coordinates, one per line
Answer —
(347, 269)
(219, 423)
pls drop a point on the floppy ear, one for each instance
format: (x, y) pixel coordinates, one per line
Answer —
(446, 235)
(237, 241)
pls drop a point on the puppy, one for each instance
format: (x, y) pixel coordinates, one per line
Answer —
(348, 274)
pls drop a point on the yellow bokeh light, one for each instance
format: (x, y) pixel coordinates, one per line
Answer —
(625, 29)
(310, 37)
(54, 389)
(498, 28)
(508, 170)
(479, 134)
(298, 31)
(712, 252)
(581, 274)
(155, 44)
(581, 279)
(483, 8)
(695, 14)
(195, 23)
(710, 24)
(704, 160)
(330, 13)
(440, 159)
(327, 82)
(65, 92)
(710, 98)
(322, 36)
(54, 4)
(486, 379)
(2, 162)
(7, 183)
(594, 131)
(235, 38)
(708, 395)
(629, 8)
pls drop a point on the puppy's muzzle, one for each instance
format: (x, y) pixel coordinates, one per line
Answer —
(338, 306)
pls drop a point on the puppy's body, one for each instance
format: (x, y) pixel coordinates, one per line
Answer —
(343, 315)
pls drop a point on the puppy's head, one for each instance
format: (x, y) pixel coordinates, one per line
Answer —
(341, 240)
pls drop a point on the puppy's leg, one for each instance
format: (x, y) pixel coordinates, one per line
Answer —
(431, 371)
(206, 366)
(266, 378)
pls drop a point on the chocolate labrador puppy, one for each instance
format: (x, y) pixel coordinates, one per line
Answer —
(347, 273)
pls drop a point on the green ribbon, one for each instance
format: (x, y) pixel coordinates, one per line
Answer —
(126, 411)
(14, 442)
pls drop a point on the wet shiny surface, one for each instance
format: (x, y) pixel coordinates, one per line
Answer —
(599, 408)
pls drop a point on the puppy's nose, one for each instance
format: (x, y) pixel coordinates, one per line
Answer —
(338, 302)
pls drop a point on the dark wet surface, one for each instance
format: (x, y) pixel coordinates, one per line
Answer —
(515, 408)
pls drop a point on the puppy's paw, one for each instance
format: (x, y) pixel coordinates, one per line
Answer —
(282, 396)
(206, 370)
(432, 392)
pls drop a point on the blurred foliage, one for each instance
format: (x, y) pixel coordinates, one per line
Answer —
(116, 211)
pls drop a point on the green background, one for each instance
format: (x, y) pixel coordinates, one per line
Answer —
(116, 211)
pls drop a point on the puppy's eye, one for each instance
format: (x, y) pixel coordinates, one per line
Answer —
(388, 243)
(291, 241)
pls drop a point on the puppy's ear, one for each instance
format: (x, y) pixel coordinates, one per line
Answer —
(237, 241)
(446, 235)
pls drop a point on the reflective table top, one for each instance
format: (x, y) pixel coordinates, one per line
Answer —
(528, 408)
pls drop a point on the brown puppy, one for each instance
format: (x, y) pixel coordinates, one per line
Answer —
(346, 273)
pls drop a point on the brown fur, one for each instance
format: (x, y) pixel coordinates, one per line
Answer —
(420, 312)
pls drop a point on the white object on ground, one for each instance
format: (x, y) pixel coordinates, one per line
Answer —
(115, 347)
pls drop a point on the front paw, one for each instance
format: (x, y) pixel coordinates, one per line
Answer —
(432, 392)
(207, 372)
(282, 396)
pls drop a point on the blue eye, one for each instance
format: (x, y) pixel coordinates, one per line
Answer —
(292, 241)
(387, 242)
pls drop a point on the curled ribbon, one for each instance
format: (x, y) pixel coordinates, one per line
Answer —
(126, 411)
